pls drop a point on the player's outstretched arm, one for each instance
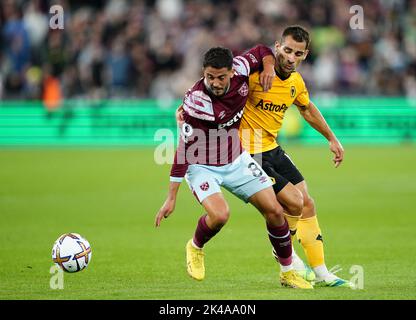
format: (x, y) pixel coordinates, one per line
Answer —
(169, 204)
(314, 117)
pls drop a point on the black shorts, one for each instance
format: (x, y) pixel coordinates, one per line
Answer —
(277, 164)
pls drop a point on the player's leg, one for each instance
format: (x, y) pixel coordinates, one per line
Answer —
(279, 236)
(287, 194)
(277, 226)
(249, 182)
(292, 200)
(205, 186)
(308, 231)
(310, 236)
(289, 197)
(209, 224)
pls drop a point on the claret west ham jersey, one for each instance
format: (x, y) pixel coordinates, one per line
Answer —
(210, 133)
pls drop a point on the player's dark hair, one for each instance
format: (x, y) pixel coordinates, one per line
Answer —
(298, 34)
(218, 58)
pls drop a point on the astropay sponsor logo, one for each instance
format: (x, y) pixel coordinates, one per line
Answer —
(268, 105)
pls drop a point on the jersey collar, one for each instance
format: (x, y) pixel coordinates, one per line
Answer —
(281, 77)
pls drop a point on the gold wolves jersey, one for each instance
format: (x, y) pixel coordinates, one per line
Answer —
(264, 111)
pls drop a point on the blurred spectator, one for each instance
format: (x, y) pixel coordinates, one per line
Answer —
(119, 66)
(36, 23)
(153, 48)
(16, 47)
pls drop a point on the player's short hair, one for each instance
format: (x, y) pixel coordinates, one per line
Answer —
(298, 33)
(218, 58)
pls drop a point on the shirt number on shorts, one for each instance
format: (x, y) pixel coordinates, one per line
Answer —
(255, 170)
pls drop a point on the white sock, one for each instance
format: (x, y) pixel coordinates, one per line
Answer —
(323, 273)
(194, 245)
(297, 262)
(286, 268)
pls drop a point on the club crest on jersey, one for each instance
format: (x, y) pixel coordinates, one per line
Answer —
(252, 58)
(243, 91)
(292, 91)
(204, 186)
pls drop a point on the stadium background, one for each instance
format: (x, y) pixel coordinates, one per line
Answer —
(80, 107)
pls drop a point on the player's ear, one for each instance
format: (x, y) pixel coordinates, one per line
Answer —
(277, 45)
(305, 54)
(232, 72)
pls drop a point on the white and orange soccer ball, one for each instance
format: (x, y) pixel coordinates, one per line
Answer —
(71, 252)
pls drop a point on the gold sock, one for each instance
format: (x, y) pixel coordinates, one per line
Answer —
(292, 221)
(310, 237)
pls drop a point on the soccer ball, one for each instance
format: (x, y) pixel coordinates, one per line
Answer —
(71, 252)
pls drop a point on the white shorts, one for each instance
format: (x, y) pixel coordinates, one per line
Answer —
(243, 177)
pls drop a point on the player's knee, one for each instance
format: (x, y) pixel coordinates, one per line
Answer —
(273, 213)
(309, 203)
(295, 205)
(221, 217)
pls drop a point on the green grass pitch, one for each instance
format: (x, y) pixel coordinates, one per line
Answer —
(365, 208)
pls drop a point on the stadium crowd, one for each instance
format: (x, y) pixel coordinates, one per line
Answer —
(153, 48)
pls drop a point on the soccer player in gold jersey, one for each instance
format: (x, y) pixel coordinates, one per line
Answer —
(262, 120)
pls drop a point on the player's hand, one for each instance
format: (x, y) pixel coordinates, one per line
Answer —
(179, 116)
(266, 77)
(165, 211)
(337, 149)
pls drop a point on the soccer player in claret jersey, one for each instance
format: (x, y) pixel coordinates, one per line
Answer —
(211, 155)
(260, 125)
